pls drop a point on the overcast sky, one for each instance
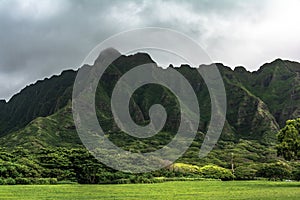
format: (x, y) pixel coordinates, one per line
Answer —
(39, 38)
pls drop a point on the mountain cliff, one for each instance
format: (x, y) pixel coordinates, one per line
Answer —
(258, 103)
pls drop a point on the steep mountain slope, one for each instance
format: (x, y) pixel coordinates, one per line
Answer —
(40, 114)
(56, 130)
(247, 113)
(278, 84)
(37, 100)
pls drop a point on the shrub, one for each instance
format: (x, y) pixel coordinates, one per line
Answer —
(10, 181)
(23, 181)
(216, 172)
(184, 168)
(122, 181)
(53, 181)
(41, 181)
(296, 174)
(245, 173)
(1, 181)
(275, 171)
(142, 179)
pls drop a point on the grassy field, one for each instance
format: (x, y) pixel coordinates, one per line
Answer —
(168, 190)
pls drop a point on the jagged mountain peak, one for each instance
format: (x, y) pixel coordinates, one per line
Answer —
(240, 69)
(292, 66)
(107, 53)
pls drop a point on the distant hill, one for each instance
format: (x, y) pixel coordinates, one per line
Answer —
(258, 104)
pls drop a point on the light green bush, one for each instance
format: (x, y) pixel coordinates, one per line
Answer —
(216, 172)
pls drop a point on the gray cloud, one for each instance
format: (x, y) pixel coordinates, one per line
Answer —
(42, 38)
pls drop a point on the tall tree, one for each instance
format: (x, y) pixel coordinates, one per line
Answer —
(289, 140)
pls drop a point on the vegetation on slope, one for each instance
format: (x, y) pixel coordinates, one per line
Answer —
(39, 119)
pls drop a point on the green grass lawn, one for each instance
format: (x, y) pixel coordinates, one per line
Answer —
(216, 190)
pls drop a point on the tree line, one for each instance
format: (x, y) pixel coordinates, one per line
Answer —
(76, 165)
(62, 165)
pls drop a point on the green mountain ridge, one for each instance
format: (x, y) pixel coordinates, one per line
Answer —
(258, 103)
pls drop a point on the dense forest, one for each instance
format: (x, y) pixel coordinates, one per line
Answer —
(62, 165)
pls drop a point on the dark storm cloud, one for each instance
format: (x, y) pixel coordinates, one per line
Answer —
(42, 38)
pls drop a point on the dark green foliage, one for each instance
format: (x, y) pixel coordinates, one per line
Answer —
(22, 181)
(296, 171)
(77, 165)
(28, 181)
(296, 174)
(55, 165)
(289, 140)
(278, 85)
(37, 100)
(9, 181)
(275, 171)
(245, 172)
